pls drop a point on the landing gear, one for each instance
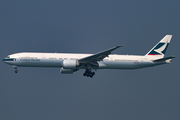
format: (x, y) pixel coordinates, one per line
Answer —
(89, 73)
(16, 71)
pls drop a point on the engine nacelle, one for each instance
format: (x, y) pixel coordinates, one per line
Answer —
(70, 64)
(66, 71)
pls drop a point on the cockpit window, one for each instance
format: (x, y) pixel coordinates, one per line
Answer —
(8, 56)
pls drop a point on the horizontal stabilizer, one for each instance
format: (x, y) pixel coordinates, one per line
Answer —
(163, 59)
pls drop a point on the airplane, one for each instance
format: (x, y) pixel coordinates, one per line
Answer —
(70, 63)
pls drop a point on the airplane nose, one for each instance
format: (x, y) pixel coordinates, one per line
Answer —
(6, 60)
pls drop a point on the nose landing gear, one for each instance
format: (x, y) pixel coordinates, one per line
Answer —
(16, 71)
(89, 73)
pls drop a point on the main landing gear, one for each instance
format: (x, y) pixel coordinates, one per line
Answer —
(89, 73)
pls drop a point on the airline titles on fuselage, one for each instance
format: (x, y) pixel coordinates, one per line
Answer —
(28, 60)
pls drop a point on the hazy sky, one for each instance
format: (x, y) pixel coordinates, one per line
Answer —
(79, 26)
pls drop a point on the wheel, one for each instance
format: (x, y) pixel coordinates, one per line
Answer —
(16, 71)
(89, 73)
(84, 74)
(91, 76)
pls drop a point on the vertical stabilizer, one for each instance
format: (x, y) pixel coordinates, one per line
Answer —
(160, 48)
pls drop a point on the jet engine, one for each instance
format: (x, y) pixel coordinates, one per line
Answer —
(66, 71)
(70, 64)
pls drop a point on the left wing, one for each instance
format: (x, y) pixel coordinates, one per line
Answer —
(98, 56)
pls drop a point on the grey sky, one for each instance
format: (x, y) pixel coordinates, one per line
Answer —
(89, 27)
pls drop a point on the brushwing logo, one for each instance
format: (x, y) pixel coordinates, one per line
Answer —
(160, 49)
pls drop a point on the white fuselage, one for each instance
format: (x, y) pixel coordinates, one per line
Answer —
(70, 63)
(56, 60)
